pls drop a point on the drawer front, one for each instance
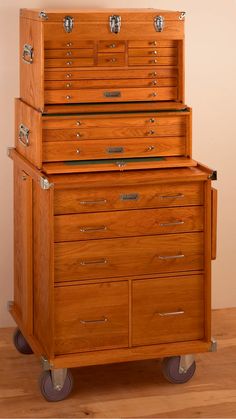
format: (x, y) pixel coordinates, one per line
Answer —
(111, 46)
(68, 53)
(153, 61)
(111, 59)
(122, 257)
(96, 84)
(116, 74)
(69, 62)
(69, 201)
(90, 317)
(167, 310)
(152, 52)
(152, 43)
(65, 44)
(110, 95)
(104, 225)
(107, 149)
(146, 121)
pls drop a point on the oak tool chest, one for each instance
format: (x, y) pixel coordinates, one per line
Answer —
(114, 222)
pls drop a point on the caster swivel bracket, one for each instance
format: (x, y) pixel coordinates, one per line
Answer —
(185, 363)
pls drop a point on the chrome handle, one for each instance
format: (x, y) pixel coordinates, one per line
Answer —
(92, 229)
(102, 320)
(171, 257)
(69, 75)
(180, 195)
(115, 23)
(159, 23)
(28, 54)
(94, 262)
(171, 313)
(112, 45)
(23, 135)
(175, 223)
(99, 201)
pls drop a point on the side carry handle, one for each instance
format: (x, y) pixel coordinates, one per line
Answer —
(23, 135)
(28, 54)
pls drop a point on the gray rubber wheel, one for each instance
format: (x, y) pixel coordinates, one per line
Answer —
(21, 344)
(48, 391)
(170, 370)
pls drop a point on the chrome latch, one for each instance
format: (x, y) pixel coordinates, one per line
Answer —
(68, 23)
(23, 135)
(159, 23)
(28, 54)
(45, 184)
(43, 15)
(115, 23)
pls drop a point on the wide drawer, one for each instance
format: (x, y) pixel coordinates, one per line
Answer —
(153, 60)
(69, 62)
(111, 95)
(65, 44)
(167, 310)
(104, 225)
(107, 149)
(151, 43)
(123, 256)
(69, 201)
(69, 53)
(90, 317)
(152, 52)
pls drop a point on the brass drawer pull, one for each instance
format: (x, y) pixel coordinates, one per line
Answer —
(150, 148)
(153, 52)
(92, 229)
(69, 75)
(99, 201)
(78, 151)
(171, 313)
(154, 74)
(23, 135)
(69, 63)
(78, 123)
(151, 132)
(152, 120)
(68, 97)
(68, 85)
(154, 43)
(111, 60)
(94, 262)
(112, 45)
(69, 44)
(154, 83)
(177, 196)
(69, 53)
(154, 94)
(78, 135)
(153, 61)
(102, 320)
(175, 223)
(171, 257)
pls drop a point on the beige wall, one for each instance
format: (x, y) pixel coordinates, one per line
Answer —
(210, 90)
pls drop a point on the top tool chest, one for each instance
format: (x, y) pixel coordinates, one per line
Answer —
(114, 222)
(101, 56)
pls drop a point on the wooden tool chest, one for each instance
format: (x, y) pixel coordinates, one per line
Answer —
(115, 223)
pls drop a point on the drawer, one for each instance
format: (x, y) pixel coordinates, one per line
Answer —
(167, 310)
(101, 225)
(111, 59)
(104, 258)
(152, 52)
(69, 201)
(69, 62)
(67, 43)
(176, 128)
(153, 43)
(111, 46)
(96, 84)
(68, 53)
(107, 149)
(145, 120)
(120, 95)
(90, 317)
(153, 61)
(116, 74)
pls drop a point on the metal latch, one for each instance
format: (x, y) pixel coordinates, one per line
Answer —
(68, 23)
(115, 23)
(45, 184)
(28, 54)
(43, 15)
(23, 135)
(159, 23)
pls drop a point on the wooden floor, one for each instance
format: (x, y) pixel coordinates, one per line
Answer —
(131, 390)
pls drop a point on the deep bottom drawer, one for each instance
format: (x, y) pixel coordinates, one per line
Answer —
(167, 310)
(90, 317)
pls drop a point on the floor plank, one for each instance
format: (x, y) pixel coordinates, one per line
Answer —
(128, 390)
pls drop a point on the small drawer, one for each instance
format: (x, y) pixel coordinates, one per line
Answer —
(108, 60)
(106, 225)
(153, 61)
(68, 53)
(152, 43)
(69, 62)
(91, 317)
(152, 52)
(108, 149)
(119, 257)
(74, 200)
(111, 46)
(173, 310)
(67, 43)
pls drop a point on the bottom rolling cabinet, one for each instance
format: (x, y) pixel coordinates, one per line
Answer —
(112, 267)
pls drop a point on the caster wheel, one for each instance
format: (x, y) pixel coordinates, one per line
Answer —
(170, 370)
(49, 392)
(21, 344)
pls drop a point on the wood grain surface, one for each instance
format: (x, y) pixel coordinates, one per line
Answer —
(128, 390)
